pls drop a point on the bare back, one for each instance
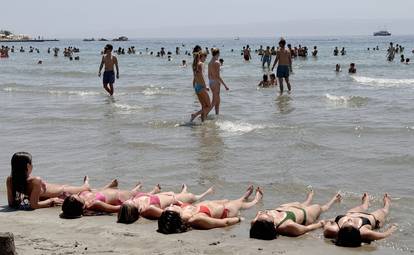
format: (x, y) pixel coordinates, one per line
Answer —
(284, 56)
(214, 70)
(109, 62)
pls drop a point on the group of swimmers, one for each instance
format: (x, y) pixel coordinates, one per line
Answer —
(180, 212)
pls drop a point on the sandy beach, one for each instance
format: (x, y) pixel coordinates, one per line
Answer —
(43, 232)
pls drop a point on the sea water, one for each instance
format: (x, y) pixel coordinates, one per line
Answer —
(334, 132)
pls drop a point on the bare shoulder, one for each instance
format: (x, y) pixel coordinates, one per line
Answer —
(9, 180)
(36, 180)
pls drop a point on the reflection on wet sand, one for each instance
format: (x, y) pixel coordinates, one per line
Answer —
(283, 103)
(211, 154)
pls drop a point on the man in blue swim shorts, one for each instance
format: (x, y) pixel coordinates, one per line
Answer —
(109, 61)
(285, 65)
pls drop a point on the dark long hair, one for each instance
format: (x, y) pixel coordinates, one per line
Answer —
(170, 222)
(263, 230)
(19, 175)
(348, 236)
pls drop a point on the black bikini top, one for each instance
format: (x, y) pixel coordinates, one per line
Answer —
(365, 221)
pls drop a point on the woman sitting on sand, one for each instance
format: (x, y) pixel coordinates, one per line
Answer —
(356, 226)
(30, 192)
(151, 206)
(106, 200)
(293, 219)
(205, 215)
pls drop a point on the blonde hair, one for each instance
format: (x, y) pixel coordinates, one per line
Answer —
(215, 51)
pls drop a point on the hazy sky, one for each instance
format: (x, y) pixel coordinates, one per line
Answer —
(212, 18)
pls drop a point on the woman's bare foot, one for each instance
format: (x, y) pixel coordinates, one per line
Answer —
(249, 191)
(86, 182)
(365, 198)
(137, 187)
(387, 199)
(157, 189)
(184, 188)
(259, 194)
(338, 198)
(113, 184)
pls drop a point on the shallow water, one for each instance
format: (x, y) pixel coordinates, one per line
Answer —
(334, 132)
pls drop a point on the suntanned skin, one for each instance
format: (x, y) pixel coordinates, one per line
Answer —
(109, 61)
(352, 218)
(42, 194)
(166, 199)
(112, 195)
(216, 81)
(203, 96)
(291, 228)
(283, 57)
(195, 219)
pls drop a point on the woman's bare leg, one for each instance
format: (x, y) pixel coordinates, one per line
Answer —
(205, 104)
(382, 213)
(155, 190)
(200, 112)
(309, 198)
(234, 206)
(56, 190)
(336, 199)
(314, 211)
(112, 185)
(137, 187)
(187, 197)
(364, 205)
(215, 102)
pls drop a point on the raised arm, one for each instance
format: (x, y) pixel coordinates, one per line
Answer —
(294, 229)
(370, 235)
(205, 222)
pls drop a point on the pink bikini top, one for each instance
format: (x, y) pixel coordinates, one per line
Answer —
(153, 199)
(101, 197)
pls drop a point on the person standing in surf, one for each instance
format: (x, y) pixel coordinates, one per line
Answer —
(215, 79)
(246, 53)
(199, 83)
(109, 61)
(284, 59)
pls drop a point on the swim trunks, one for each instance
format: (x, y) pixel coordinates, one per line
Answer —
(282, 71)
(267, 59)
(198, 88)
(109, 77)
